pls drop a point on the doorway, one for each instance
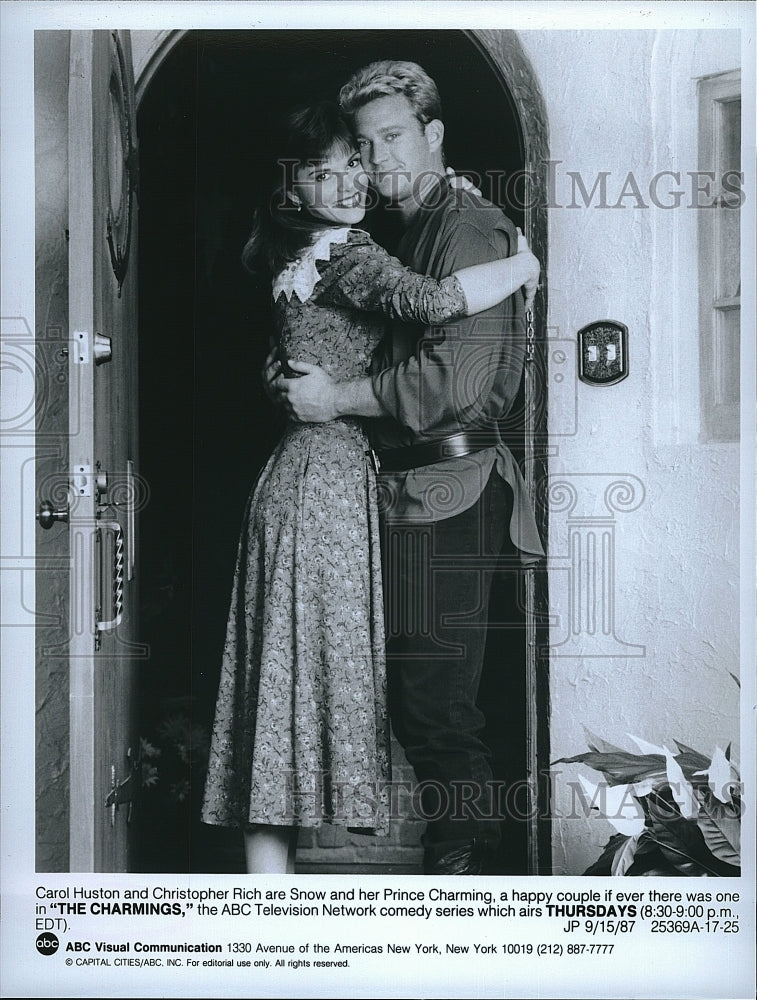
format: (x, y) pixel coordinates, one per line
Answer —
(206, 428)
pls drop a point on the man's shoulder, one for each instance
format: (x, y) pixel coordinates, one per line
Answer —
(467, 225)
(464, 208)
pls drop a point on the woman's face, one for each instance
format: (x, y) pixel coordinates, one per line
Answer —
(334, 188)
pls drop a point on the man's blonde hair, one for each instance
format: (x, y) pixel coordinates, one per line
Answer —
(388, 77)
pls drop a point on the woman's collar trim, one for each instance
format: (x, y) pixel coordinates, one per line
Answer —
(300, 276)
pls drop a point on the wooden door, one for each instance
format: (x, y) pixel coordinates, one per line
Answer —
(104, 483)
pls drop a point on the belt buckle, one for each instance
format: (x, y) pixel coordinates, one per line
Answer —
(375, 460)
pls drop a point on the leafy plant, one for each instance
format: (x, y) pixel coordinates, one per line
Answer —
(175, 756)
(675, 814)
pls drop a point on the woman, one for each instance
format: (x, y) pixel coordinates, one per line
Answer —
(301, 733)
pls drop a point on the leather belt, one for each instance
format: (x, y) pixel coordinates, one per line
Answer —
(429, 452)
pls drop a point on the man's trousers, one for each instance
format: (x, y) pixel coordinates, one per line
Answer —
(437, 584)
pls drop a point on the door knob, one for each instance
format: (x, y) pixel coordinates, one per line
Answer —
(48, 515)
(103, 351)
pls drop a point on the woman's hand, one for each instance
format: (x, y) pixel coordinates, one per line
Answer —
(270, 372)
(460, 182)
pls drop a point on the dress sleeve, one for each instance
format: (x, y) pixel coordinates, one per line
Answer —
(362, 275)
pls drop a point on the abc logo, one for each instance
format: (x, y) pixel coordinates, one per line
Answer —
(47, 944)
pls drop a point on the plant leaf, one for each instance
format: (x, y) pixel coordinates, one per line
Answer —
(720, 824)
(597, 743)
(720, 776)
(681, 841)
(603, 864)
(683, 749)
(642, 788)
(680, 788)
(149, 776)
(692, 764)
(624, 857)
(620, 767)
(645, 747)
(618, 806)
(147, 750)
(649, 859)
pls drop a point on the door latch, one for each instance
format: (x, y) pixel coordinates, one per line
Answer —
(123, 791)
(83, 348)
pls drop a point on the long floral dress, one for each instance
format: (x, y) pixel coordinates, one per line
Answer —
(301, 732)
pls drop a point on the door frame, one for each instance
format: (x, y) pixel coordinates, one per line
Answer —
(81, 403)
(507, 59)
(102, 595)
(504, 54)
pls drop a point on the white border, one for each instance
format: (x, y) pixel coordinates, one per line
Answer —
(24, 973)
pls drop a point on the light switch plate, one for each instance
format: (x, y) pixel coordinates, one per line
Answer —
(603, 352)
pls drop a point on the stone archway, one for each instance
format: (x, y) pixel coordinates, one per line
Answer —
(503, 53)
(508, 59)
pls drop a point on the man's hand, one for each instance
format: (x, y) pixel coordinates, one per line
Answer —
(312, 398)
(531, 286)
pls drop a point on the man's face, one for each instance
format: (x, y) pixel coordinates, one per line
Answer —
(394, 147)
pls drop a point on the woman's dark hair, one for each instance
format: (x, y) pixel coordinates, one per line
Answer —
(280, 231)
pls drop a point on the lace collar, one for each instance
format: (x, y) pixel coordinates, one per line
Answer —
(300, 276)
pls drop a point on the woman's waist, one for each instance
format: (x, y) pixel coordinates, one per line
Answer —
(350, 429)
(343, 351)
(340, 443)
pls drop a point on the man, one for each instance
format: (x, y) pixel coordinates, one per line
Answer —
(452, 493)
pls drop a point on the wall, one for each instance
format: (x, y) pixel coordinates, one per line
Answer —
(619, 102)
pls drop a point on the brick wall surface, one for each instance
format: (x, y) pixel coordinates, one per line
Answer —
(334, 850)
(329, 849)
